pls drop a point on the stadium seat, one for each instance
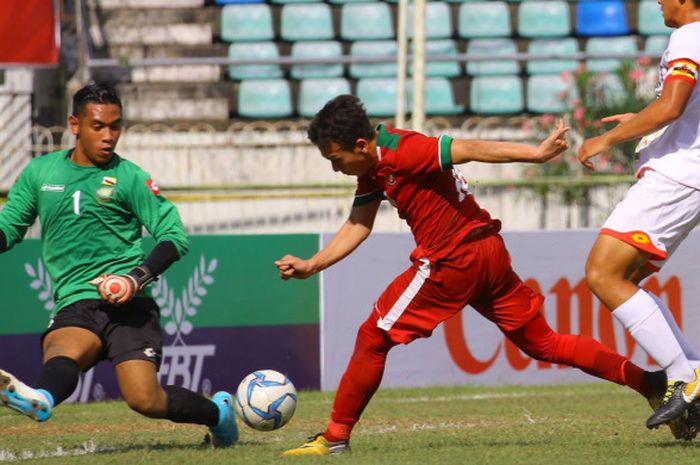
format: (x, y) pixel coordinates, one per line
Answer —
(246, 23)
(538, 18)
(484, 19)
(496, 95)
(650, 21)
(253, 50)
(373, 48)
(229, 2)
(294, 1)
(264, 98)
(601, 18)
(438, 20)
(314, 93)
(656, 44)
(438, 97)
(306, 21)
(378, 95)
(549, 93)
(316, 49)
(440, 68)
(366, 21)
(491, 48)
(340, 2)
(606, 45)
(548, 47)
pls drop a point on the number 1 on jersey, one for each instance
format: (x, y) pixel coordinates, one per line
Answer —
(76, 202)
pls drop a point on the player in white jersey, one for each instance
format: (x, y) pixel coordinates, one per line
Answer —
(658, 212)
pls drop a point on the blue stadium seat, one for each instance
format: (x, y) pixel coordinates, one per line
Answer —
(378, 95)
(254, 50)
(316, 49)
(306, 21)
(484, 19)
(438, 20)
(264, 98)
(549, 93)
(246, 23)
(366, 21)
(440, 68)
(606, 45)
(438, 97)
(492, 48)
(540, 18)
(548, 47)
(496, 95)
(650, 21)
(601, 18)
(372, 48)
(314, 93)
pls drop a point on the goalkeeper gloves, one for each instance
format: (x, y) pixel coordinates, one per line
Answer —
(118, 289)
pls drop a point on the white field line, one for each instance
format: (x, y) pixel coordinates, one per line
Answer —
(85, 449)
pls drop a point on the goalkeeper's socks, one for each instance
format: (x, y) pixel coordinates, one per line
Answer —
(58, 379)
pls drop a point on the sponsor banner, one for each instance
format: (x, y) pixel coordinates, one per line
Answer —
(224, 313)
(470, 349)
(29, 32)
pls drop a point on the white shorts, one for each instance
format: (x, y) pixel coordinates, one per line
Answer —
(655, 216)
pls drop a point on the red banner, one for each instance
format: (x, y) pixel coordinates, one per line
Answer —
(29, 32)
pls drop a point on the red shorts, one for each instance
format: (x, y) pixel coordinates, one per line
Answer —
(479, 274)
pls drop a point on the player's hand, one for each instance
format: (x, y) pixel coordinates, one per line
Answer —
(290, 266)
(116, 289)
(591, 148)
(554, 144)
(619, 119)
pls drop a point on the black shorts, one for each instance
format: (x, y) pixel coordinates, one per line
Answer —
(128, 332)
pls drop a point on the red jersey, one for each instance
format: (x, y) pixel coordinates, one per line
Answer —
(416, 175)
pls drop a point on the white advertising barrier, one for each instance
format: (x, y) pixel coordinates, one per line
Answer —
(468, 349)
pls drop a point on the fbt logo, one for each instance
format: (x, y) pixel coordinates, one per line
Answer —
(562, 296)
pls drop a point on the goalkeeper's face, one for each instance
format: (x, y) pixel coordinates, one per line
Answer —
(97, 129)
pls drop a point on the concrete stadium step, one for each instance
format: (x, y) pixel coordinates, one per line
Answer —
(122, 4)
(181, 102)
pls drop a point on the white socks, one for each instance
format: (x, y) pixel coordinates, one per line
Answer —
(688, 349)
(644, 319)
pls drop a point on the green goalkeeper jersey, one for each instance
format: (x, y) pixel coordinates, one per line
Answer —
(91, 219)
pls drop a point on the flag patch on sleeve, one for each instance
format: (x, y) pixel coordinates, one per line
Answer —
(153, 186)
(683, 69)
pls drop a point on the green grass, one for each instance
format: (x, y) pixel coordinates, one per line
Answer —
(574, 424)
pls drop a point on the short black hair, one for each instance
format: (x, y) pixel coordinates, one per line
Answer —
(95, 93)
(342, 120)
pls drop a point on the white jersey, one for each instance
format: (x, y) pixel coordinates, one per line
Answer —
(674, 151)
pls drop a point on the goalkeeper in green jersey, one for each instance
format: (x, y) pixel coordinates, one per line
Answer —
(92, 205)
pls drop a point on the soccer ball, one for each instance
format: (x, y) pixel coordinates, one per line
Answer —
(265, 400)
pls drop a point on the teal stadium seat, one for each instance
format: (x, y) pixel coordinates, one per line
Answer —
(650, 21)
(545, 94)
(253, 50)
(306, 21)
(264, 98)
(316, 49)
(496, 95)
(606, 45)
(366, 21)
(656, 45)
(440, 68)
(438, 97)
(538, 18)
(484, 19)
(378, 95)
(294, 1)
(248, 22)
(314, 93)
(491, 48)
(373, 48)
(438, 20)
(340, 2)
(548, 47)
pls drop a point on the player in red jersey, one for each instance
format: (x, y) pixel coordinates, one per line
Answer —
(459, 259)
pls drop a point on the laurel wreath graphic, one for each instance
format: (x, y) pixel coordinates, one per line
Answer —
(180, 308)
(42, 282)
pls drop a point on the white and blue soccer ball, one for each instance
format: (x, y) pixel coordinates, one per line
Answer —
(265, 400)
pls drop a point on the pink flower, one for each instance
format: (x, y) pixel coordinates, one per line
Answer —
(581, 67)
(618, 169)
(636, 74)
(565, 76)
(644, 61)
(579, 113)
(527, 125)
(547, 119)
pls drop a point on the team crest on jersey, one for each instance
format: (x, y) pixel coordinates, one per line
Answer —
(109, 181)
(391, 180)
(153, 186)
(105, 193)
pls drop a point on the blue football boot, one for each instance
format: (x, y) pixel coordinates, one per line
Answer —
(224, 434)
(26, 400)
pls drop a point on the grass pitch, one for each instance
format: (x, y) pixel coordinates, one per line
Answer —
(573, 424)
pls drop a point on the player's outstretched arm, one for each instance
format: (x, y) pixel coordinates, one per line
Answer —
(350, 235)
(463, 150)
(655, 116)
